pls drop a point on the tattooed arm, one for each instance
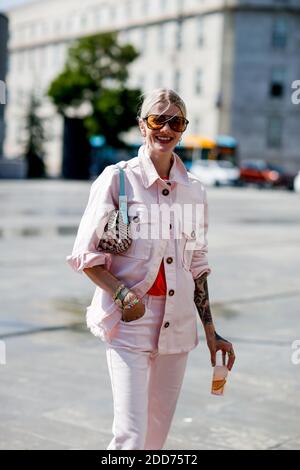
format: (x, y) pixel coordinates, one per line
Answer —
(214, 341)
(201, 300)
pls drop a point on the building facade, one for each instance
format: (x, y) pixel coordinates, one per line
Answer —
(233, 62)
(3, 69)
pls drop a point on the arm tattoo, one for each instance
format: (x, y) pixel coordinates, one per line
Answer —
(201, 300)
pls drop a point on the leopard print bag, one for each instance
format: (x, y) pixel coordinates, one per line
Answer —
(116, 237)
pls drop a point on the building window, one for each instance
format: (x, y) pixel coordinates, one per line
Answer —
(83, 21)
(55, 53)
(179, 35)
(129, 9)
(274, 132)
(163, 5)
(144, 38)
(56, 27)
(199, 31)
(33, 30)
(177, 81)
(159, 80)
(144, 6)
(279, 34)
(196, 125)
(161, 37)
(27, 59)
(97, 18)
(113, 13)
(180, 5)
(70, 24)
(62, 54)
(44, 29)
(198, 82)
(277, 82)
(33, 58)
(21, 57)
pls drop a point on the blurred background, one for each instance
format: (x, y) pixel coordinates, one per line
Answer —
(71, 78)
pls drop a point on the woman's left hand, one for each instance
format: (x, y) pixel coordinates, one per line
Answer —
(136, 311)
(216, 343)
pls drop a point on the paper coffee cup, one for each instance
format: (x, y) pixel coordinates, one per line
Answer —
(219, 379)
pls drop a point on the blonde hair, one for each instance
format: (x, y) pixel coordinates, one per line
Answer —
(158, 95)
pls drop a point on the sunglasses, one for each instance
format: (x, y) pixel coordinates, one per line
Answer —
(157, 122)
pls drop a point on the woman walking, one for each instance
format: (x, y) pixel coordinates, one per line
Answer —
(147, 298)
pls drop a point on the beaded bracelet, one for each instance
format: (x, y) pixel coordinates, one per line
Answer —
(122, 294)
(117, 291)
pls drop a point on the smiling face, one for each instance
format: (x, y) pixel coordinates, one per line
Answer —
(162, 141)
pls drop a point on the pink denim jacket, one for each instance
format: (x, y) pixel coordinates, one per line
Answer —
(169, 221)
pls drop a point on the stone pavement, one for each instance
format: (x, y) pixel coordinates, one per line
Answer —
(55, 392)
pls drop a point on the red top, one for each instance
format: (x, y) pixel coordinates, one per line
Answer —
(159, 287)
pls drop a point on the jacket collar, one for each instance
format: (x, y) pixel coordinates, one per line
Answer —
(178, 172)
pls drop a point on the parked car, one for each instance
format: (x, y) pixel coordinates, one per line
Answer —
(216, 172)
(297, 183)
(265, 174)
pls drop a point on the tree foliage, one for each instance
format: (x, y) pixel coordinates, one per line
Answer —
(95, 76)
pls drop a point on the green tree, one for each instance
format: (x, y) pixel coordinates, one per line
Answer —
(94, 80)
(34, 151)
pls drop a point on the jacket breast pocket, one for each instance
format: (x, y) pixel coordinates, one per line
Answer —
(140, 229)
(191, 240)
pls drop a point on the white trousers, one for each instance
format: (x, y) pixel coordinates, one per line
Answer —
(145, 384)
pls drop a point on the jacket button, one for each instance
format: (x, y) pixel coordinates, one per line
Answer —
(170, 226)
(166, 324)
(193, 234)
(169, 260)
(171, 292)
(165, 192)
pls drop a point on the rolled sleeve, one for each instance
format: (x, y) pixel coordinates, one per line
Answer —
(88, 260)
(199, 263)
(102, 200)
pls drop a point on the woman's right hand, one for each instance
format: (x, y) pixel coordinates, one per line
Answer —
(135, 312)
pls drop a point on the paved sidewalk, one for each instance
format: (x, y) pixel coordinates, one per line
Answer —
(55, 392)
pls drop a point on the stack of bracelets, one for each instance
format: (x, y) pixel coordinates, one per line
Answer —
(120, 294)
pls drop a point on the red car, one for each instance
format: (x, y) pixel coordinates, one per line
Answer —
(265, 174)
